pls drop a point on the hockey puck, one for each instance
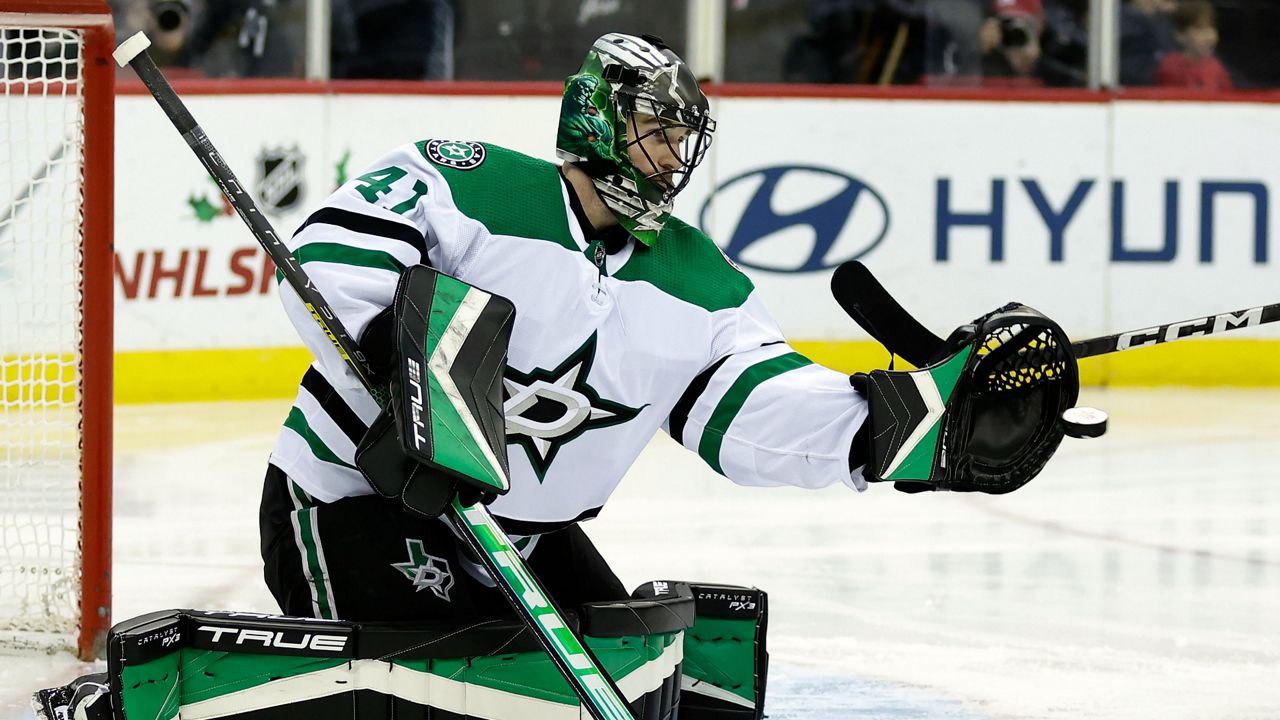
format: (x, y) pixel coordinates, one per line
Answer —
(1084, 422)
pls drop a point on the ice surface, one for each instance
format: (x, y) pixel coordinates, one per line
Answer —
(1138, 577)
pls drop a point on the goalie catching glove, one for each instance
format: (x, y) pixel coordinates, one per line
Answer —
(985, 411)
(442, 346)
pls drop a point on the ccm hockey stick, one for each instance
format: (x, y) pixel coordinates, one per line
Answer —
(1160, 334)
(872, 307)
(597, 691)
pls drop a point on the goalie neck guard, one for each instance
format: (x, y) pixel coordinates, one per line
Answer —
(622, 79)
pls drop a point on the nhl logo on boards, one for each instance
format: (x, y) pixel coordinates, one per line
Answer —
(280, 179)
(457, 154)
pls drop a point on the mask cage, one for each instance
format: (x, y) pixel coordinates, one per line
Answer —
(689, 151)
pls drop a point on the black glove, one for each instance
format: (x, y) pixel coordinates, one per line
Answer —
(985, 418)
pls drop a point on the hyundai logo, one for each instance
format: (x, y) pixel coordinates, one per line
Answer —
(795, 218)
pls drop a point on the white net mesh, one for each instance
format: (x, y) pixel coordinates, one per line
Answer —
(41, 164)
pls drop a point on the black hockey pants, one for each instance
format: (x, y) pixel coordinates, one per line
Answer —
(365, 559)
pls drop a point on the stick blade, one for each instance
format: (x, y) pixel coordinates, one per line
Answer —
(865, 300)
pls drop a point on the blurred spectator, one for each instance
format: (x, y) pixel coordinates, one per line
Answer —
(167, 25)
(393, 39)
(219, 38)
(864, 42)
(250, 38)
(757, 34)
(1194, 66)
(829, 52)
(1146, 34)
(1247, 46)
(1064, 44)
(1011, 43)
(954, 51)
(543, 39)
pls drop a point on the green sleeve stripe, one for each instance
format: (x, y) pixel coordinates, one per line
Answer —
(733, 400)
(347, 255)
(297, 422)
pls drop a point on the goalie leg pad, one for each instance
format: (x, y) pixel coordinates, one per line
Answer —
(249, 665)
(725, 659)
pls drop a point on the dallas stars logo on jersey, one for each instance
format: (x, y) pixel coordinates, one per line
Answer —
(547, 409)
(458, 154)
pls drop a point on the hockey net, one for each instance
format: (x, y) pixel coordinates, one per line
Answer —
(56, 134)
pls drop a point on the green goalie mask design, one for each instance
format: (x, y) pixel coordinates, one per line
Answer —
(630, 89)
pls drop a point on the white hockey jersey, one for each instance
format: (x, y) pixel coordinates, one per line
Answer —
(606, 349)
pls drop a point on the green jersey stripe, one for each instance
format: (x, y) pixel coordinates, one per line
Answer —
(297, 422)
(727, 409)
(345, 255)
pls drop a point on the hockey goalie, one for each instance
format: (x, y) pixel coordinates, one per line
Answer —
(561, 315)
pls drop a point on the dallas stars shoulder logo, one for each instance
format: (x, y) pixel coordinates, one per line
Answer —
(426, 571)
(457, 154)
(547, 409)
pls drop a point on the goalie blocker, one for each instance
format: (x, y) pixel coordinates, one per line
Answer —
(195, 664)
(441, 347)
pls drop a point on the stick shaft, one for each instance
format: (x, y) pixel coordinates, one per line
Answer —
(245, 206)
(36, 177)
(1160, 334)
(597, 691)
(870, 305)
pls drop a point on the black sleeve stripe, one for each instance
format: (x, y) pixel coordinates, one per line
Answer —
(366, 225)
(334, 406)
(680, 413)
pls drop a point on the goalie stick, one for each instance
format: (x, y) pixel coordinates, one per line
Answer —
(39, 176)
(865, 300)
(599, 694)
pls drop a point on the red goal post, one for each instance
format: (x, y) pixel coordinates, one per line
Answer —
(56, 297)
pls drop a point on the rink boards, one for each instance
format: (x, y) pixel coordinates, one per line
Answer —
(1106, 215)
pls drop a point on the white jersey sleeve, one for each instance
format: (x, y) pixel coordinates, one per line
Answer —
(762, 414)
(355, 247)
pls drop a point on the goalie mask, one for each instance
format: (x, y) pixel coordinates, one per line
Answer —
(628, 90)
